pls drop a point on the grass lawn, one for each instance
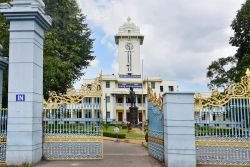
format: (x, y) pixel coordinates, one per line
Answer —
(124, 131)
(89, 128)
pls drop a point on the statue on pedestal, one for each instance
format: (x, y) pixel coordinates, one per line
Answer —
(132, 97)
(133, 109)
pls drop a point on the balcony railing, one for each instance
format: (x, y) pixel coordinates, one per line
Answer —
(85, 106)
(121, 105)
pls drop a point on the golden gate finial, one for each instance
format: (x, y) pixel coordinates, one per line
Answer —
(157, 101)
(236, 90)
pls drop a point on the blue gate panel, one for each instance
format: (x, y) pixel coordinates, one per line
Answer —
(155, 132)
(73, 150)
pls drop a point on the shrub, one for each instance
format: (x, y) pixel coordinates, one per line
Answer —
(111, 134)
(124, 126)
(146, 136)
(106, 126)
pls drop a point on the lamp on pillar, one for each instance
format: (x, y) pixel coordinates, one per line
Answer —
(28, 22)
(3, 63)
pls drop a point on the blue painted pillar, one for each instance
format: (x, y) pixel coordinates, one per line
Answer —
(25, 89)
(114, 107)
(179, 133)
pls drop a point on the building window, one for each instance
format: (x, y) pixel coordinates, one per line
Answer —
(107, 84)
(153, 85)
(88, 114)
(108, 99)
(214, 117)
(87, 100)
(120, 100)
(97, 100)
(161, 88)
(203, 117)
(98, 114)
(79, 114)
(108, 114)
(171, 88)
(139, 100)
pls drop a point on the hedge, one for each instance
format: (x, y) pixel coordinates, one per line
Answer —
(111, 134)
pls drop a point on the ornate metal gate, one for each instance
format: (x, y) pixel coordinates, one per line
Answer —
(223, 125)
(72, 124)
(155, 126)
(3, 133)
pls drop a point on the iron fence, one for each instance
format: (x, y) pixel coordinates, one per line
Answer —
(222, 126)
(65, 121)
(72, 133)
(3, 133)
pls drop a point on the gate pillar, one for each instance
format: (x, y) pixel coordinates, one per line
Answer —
(179, 137)
(27, 24)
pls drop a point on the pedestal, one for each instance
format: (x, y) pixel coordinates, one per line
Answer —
(25, 94)
(133, 116)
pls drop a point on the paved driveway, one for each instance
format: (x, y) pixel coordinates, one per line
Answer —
(115, 155)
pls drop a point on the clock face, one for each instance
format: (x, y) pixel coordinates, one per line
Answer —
(129, 46)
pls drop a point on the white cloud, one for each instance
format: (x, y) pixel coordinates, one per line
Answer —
(182, 37)
(94, 63)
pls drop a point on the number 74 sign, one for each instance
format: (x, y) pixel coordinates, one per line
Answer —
(20, 97)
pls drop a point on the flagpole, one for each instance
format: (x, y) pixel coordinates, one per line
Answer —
(142, 99)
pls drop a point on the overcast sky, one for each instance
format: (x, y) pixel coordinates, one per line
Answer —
(182, 37)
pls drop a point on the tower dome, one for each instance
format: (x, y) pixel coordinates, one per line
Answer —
(129, 29)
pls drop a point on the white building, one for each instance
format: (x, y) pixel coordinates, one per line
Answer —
(116, 88)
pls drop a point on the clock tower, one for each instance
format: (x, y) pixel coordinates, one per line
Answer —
(129, 40)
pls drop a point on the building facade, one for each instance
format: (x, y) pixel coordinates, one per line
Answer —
(115, 98)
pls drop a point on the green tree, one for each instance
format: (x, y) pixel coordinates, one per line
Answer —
(67, 47)
(4, 40)
(224, 71)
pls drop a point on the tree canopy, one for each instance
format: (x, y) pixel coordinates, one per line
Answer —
(4, 40)
(67, 48)
(224, 71)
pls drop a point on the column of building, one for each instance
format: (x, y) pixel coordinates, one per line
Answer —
(114, 107)
(82, 108)
(136, 101)
(136, 104)
(125, 108)
(146, 107)
(92, 107)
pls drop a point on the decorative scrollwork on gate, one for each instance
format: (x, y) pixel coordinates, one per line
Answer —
(156, 100)
(236, 90)
(222, 125)
(73, 96)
